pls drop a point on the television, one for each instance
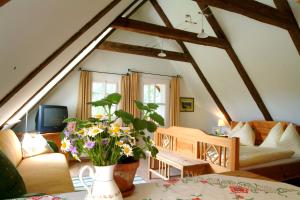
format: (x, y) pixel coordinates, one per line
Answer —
(49, 118)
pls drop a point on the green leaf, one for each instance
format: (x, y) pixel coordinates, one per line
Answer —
(152, 106)
(157, 118)
(140, 105)
(153, 151)
(151, 126)
(139, 124)
(114, 98)
(126, 117)
(70, 120)
(100, 103)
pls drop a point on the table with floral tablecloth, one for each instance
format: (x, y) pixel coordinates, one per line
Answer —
(209, 187)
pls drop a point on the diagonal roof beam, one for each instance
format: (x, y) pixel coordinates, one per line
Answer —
(72, 60)
(236, 61)
(282, 16)
(166, 32)
(252, 9)
(165, 19)
(294, 31)
(2, 2)
(141, 50)
(39, 68)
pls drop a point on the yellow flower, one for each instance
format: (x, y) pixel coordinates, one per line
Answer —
(65, 145)
(127, 150)
(115, 130)
(120, 143)
(75, 156)
(98, 116)
(81, 132)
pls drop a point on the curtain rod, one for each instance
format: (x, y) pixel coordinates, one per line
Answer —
(129, 70)
(80, 69)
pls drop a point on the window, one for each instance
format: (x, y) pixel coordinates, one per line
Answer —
(157, 91)
(103, 86)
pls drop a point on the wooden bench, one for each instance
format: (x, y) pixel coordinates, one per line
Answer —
(160, 165)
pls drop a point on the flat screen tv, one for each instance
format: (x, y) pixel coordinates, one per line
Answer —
(49, 118)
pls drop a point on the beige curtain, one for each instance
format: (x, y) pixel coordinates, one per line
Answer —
(130, 91)
(174, 101)
(85, 95)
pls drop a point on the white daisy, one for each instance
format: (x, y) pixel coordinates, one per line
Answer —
(127, 150)
(65, 145)
(93, 131)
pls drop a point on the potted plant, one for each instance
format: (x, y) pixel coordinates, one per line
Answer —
(107, 142)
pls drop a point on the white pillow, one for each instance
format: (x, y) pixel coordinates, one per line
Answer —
(273, 136)
(290, 139)
(246, 135)
(34, 144)
(236, 128)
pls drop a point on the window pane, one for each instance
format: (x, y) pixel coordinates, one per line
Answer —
(99, 91)
(162, 111)
(99, 88)
(160, 93)
(111, 88)
(148, 93)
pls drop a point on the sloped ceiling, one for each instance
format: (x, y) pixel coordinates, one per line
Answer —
(44, 41)
(32, 30)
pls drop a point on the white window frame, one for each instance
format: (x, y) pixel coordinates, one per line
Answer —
(107, 78)
(154, 79)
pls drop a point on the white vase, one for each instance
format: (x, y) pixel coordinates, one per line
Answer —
(104, 185)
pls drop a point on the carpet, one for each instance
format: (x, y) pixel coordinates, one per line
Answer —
(88, 180)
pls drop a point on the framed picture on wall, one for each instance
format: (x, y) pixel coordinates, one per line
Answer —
(186, 104)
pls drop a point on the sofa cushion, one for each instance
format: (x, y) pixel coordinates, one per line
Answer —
(11, 184)
(11, 146)
(46, 173)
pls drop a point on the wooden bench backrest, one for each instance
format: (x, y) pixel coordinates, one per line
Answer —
(195, 143)
(262, 128)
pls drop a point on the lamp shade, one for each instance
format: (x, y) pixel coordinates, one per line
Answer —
(202, 34)
(221, 122)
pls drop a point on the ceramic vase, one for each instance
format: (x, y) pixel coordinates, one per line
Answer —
(104, 185)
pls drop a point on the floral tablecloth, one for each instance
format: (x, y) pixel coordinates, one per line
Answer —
(215, 187)
(209, 187)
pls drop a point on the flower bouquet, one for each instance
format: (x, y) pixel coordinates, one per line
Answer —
(113, 136)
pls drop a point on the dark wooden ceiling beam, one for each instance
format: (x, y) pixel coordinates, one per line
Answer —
(2, 2)
(206, 84)
(39, 68)
(236, 61)
(252, 9)
(294, 31)
(166, 32)
(143, 51)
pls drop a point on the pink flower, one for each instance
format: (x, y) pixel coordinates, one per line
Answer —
(71, 126)
(238, 189)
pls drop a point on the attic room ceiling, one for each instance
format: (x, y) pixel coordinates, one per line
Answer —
(219, 37)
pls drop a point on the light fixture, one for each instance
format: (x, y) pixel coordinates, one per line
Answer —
(162, 54)
(202, 34)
